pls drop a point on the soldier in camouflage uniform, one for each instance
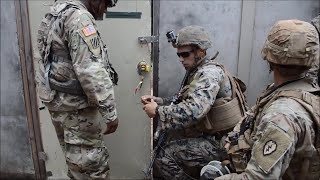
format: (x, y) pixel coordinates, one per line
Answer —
(74, 82)
(195, 119)
(314, 72)
(280, 137)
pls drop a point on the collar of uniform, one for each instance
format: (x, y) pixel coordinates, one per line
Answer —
(200, 63)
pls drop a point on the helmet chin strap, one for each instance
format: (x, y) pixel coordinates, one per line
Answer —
(197, 57)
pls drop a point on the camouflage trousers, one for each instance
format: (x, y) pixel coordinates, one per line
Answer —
(79, 134)
(183, 159)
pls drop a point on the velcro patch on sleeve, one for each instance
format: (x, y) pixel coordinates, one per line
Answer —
(89, 30)
(93, 40)
(271, 147)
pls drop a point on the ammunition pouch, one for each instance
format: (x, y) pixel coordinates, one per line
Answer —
(62, 77)
(223, 116)
(225, 113)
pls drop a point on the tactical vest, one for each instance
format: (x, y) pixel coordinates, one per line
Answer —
(225, 113)
(56, 71)
(302, 92)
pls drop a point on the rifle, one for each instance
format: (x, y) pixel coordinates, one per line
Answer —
(161, 138)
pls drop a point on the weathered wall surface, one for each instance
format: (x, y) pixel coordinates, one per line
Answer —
(223, 20)
(16, 158)
(267, 13)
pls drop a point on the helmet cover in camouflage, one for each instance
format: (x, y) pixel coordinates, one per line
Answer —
(292, 42)
(316, 23)
(194, 35)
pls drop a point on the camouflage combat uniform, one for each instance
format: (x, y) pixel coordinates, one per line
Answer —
(314, 72)
(278, 139)
(74, 83)
(209, 104)
(186, 152)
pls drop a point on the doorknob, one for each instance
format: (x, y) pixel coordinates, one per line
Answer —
(142, 68)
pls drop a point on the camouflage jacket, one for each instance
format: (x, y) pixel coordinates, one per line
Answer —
(313, 72)
(80, 55)
(278, 139)
(190, 108)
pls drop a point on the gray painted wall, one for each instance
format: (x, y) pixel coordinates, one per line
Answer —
(16, 157)
(223, 21)
(221, 18)
(267, 13)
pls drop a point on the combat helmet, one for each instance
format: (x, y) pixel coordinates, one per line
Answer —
(292, 42)
(112, 3)
(193, 35)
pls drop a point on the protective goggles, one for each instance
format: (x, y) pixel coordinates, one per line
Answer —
(184, 54)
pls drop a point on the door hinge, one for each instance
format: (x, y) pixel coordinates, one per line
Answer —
(148, 39)
(43, 156)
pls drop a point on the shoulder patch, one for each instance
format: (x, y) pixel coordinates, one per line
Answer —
(89, 34)
(271, 148)
(92, 39)
(89, 30)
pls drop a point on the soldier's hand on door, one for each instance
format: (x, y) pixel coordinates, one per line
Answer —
(147, 99)
(150, 108)
(111, 127)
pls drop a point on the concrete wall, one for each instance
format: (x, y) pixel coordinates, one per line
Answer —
(16, 158)
(228, 22)
(266, 14)
(221, 18)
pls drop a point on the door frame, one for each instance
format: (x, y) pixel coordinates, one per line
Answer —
(29, 88)
(28, 77)
(155, 21)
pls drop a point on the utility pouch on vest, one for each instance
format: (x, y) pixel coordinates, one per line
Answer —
(240, 151)
(226, 115)
(62, 77)
(44, 39)
(240, 160)
(46, 94)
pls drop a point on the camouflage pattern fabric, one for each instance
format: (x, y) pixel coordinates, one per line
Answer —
(194, 35)
(314, 73)
(79, 134)
(194, 105)
(292, 42)
(83, 59)
(81, 56)
(282, 135)
(280, 130)
(183, 158)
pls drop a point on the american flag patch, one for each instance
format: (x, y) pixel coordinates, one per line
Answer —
(89, 30)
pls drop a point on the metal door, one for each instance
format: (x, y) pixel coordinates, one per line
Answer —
(130, 145)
